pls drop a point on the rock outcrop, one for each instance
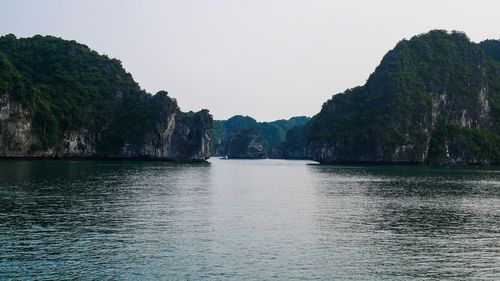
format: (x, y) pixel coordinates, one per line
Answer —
(434, 98)
(60, 99)
(245, 144)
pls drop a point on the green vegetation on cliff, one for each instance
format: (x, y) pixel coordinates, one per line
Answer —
(491, 48)
(66, 86)
(273, 133)
(435, 87)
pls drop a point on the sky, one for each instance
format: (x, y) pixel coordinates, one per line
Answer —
(269, 59)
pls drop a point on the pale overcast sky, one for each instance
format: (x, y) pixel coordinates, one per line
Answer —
(269, 59)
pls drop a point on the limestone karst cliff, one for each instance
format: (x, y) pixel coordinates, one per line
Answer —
(58, 98)
(245, 144)
(433, 98)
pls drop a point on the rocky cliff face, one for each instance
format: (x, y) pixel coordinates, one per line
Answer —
(245, 144)
(435, 93)
(177, 136)
(60, 99)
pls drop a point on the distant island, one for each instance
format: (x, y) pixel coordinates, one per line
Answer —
(433, 99)
(242, 137)
(59, 98)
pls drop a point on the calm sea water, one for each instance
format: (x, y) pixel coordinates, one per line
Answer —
(247, 220)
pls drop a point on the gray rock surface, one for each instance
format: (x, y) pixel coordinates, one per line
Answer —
(176, 136)
(245, 144)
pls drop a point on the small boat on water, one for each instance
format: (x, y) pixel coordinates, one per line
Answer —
(224, 158)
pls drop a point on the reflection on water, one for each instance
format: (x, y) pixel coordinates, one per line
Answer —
(261, 219)
(417, 221)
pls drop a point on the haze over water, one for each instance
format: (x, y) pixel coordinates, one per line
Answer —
(243, 219)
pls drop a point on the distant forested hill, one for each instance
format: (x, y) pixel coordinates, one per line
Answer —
(272, 134)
